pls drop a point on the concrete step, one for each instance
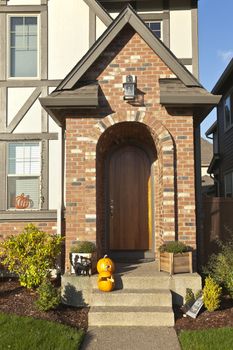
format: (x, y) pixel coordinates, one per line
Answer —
(131, 316)
(138, 282)
(132, 297)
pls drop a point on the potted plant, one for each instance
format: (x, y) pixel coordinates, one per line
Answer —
(175, 257)
(83, 258)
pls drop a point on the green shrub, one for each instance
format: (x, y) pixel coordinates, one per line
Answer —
(83, 247)
(174, 247)
(219, 266)
(30, 255)
(211, 294)
(189, 296)
(49, 296)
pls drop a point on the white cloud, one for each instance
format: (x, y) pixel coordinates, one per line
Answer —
(226, 56)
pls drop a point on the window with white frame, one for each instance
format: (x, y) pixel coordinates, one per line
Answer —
(228, 179)
(23, 179)
(155, 26)
(23, 46)
(228, 114)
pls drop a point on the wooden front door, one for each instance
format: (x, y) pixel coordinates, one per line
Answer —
(129, 199)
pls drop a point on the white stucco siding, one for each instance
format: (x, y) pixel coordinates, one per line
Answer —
(31, 122)
(68, 37)
(190, 68)
(16, 97)
(114, 14)
(100, 27)
(55, 173)
(181, 33)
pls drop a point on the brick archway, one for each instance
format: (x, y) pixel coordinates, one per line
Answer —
(159, 139)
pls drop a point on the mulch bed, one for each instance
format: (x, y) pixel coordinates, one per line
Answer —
(17, 300)
(223, 317)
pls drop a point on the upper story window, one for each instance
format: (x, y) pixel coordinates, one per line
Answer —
(228, 179)
(155, 26)
(228, 113)
(23, 179)
(23, 46)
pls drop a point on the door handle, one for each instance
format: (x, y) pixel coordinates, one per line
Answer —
(111, 207)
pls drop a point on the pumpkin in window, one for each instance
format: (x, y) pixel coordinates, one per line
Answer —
(22, 201)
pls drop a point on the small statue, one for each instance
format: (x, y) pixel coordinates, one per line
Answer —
(82, 266)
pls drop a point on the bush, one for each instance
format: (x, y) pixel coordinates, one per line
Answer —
(189, 296)
(30, 255)
(83, 247)
(211, 294)
(175, 247)
(49, 296)
(220, 265)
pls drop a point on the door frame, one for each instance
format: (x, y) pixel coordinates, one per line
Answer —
(144, 255)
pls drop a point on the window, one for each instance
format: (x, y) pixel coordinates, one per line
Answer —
(155, 27)
(23, 46)
(23, 180)
(228, 178)
(228, 115)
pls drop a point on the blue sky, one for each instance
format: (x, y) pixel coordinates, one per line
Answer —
(215, 44)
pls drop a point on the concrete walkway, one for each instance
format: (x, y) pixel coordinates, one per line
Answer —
(131, 338)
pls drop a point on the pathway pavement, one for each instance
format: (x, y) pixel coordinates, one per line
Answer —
(131, 338)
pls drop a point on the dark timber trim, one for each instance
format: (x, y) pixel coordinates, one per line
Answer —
(28, 136)
(99, 11)
(24, 109)
(22, 8)
(28, 83)
(2, 175)
(92, 27)
(186, 61)
(154, 16)
(44, 174)
(194, 15)
(17, 215)
(44, 43)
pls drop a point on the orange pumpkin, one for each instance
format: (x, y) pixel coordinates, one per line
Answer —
(22, 201)
(105, 264)
(106, 282)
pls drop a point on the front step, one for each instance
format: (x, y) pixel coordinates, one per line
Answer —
(138, 282)
(132, 297)
(131, 316)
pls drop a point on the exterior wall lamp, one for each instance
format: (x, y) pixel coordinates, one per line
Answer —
(129, 87)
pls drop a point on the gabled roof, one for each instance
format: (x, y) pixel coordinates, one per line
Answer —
(206, 152)
(212, 129)
(174, 93)
(225, 81)
(128, 15)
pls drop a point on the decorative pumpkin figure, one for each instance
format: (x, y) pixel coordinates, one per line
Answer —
(106, 282)
(22, 201)
(105, 264)
(106, 267)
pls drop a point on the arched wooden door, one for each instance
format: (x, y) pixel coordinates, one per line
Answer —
(129, 202)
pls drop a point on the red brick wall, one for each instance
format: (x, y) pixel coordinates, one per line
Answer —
(172, 132)
(15, 227)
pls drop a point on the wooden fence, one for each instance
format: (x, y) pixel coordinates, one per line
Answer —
(217, 223)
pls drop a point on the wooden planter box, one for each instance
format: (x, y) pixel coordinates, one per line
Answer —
(175, 263)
